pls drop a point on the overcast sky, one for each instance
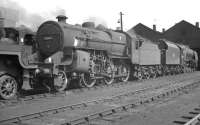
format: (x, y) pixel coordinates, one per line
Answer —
(163, 13)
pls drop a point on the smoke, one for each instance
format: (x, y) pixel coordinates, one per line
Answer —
(31, 20)
(57, 11)
(16, 15)
(97, 21)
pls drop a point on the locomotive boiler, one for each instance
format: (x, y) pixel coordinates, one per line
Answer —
(86, 53)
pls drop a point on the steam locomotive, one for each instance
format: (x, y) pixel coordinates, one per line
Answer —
(14, 64)
(90, 54)
(65, 54)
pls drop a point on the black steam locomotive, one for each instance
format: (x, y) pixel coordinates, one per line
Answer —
(66, 54)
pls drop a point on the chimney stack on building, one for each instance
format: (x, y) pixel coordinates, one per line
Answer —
(163, 30)
(197, 24)
(154, 27)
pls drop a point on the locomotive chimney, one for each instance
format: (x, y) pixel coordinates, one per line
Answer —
(154, 27)
(62, 18)
(197, 24)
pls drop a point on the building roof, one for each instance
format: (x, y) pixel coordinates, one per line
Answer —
(146, 32)
(184, 33)
(183, 23)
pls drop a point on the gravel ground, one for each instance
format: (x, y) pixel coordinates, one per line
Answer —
(164, 112)
(68, 115)
(73, 98)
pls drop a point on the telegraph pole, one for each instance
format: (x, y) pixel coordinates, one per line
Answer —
(121, 21)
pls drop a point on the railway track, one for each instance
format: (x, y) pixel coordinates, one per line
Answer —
(194, 121)
(23, 99)
(192, 118)
(103, 107)
(105, 115)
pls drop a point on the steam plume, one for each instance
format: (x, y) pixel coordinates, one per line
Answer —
(16, 15)
(97, 21)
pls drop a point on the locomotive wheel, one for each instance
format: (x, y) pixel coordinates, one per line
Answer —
(139, 76)
(154, 74)
(61, 81)
(126, 73)
(147, 75)
(8, 87)
(87, 80)
(110, 78)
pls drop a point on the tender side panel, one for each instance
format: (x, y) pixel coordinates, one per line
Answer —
(149, 54)
(172, 54)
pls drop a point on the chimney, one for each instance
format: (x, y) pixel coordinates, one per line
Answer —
(154, 27)
(197, 24)
(61, 18)
(163, 30)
